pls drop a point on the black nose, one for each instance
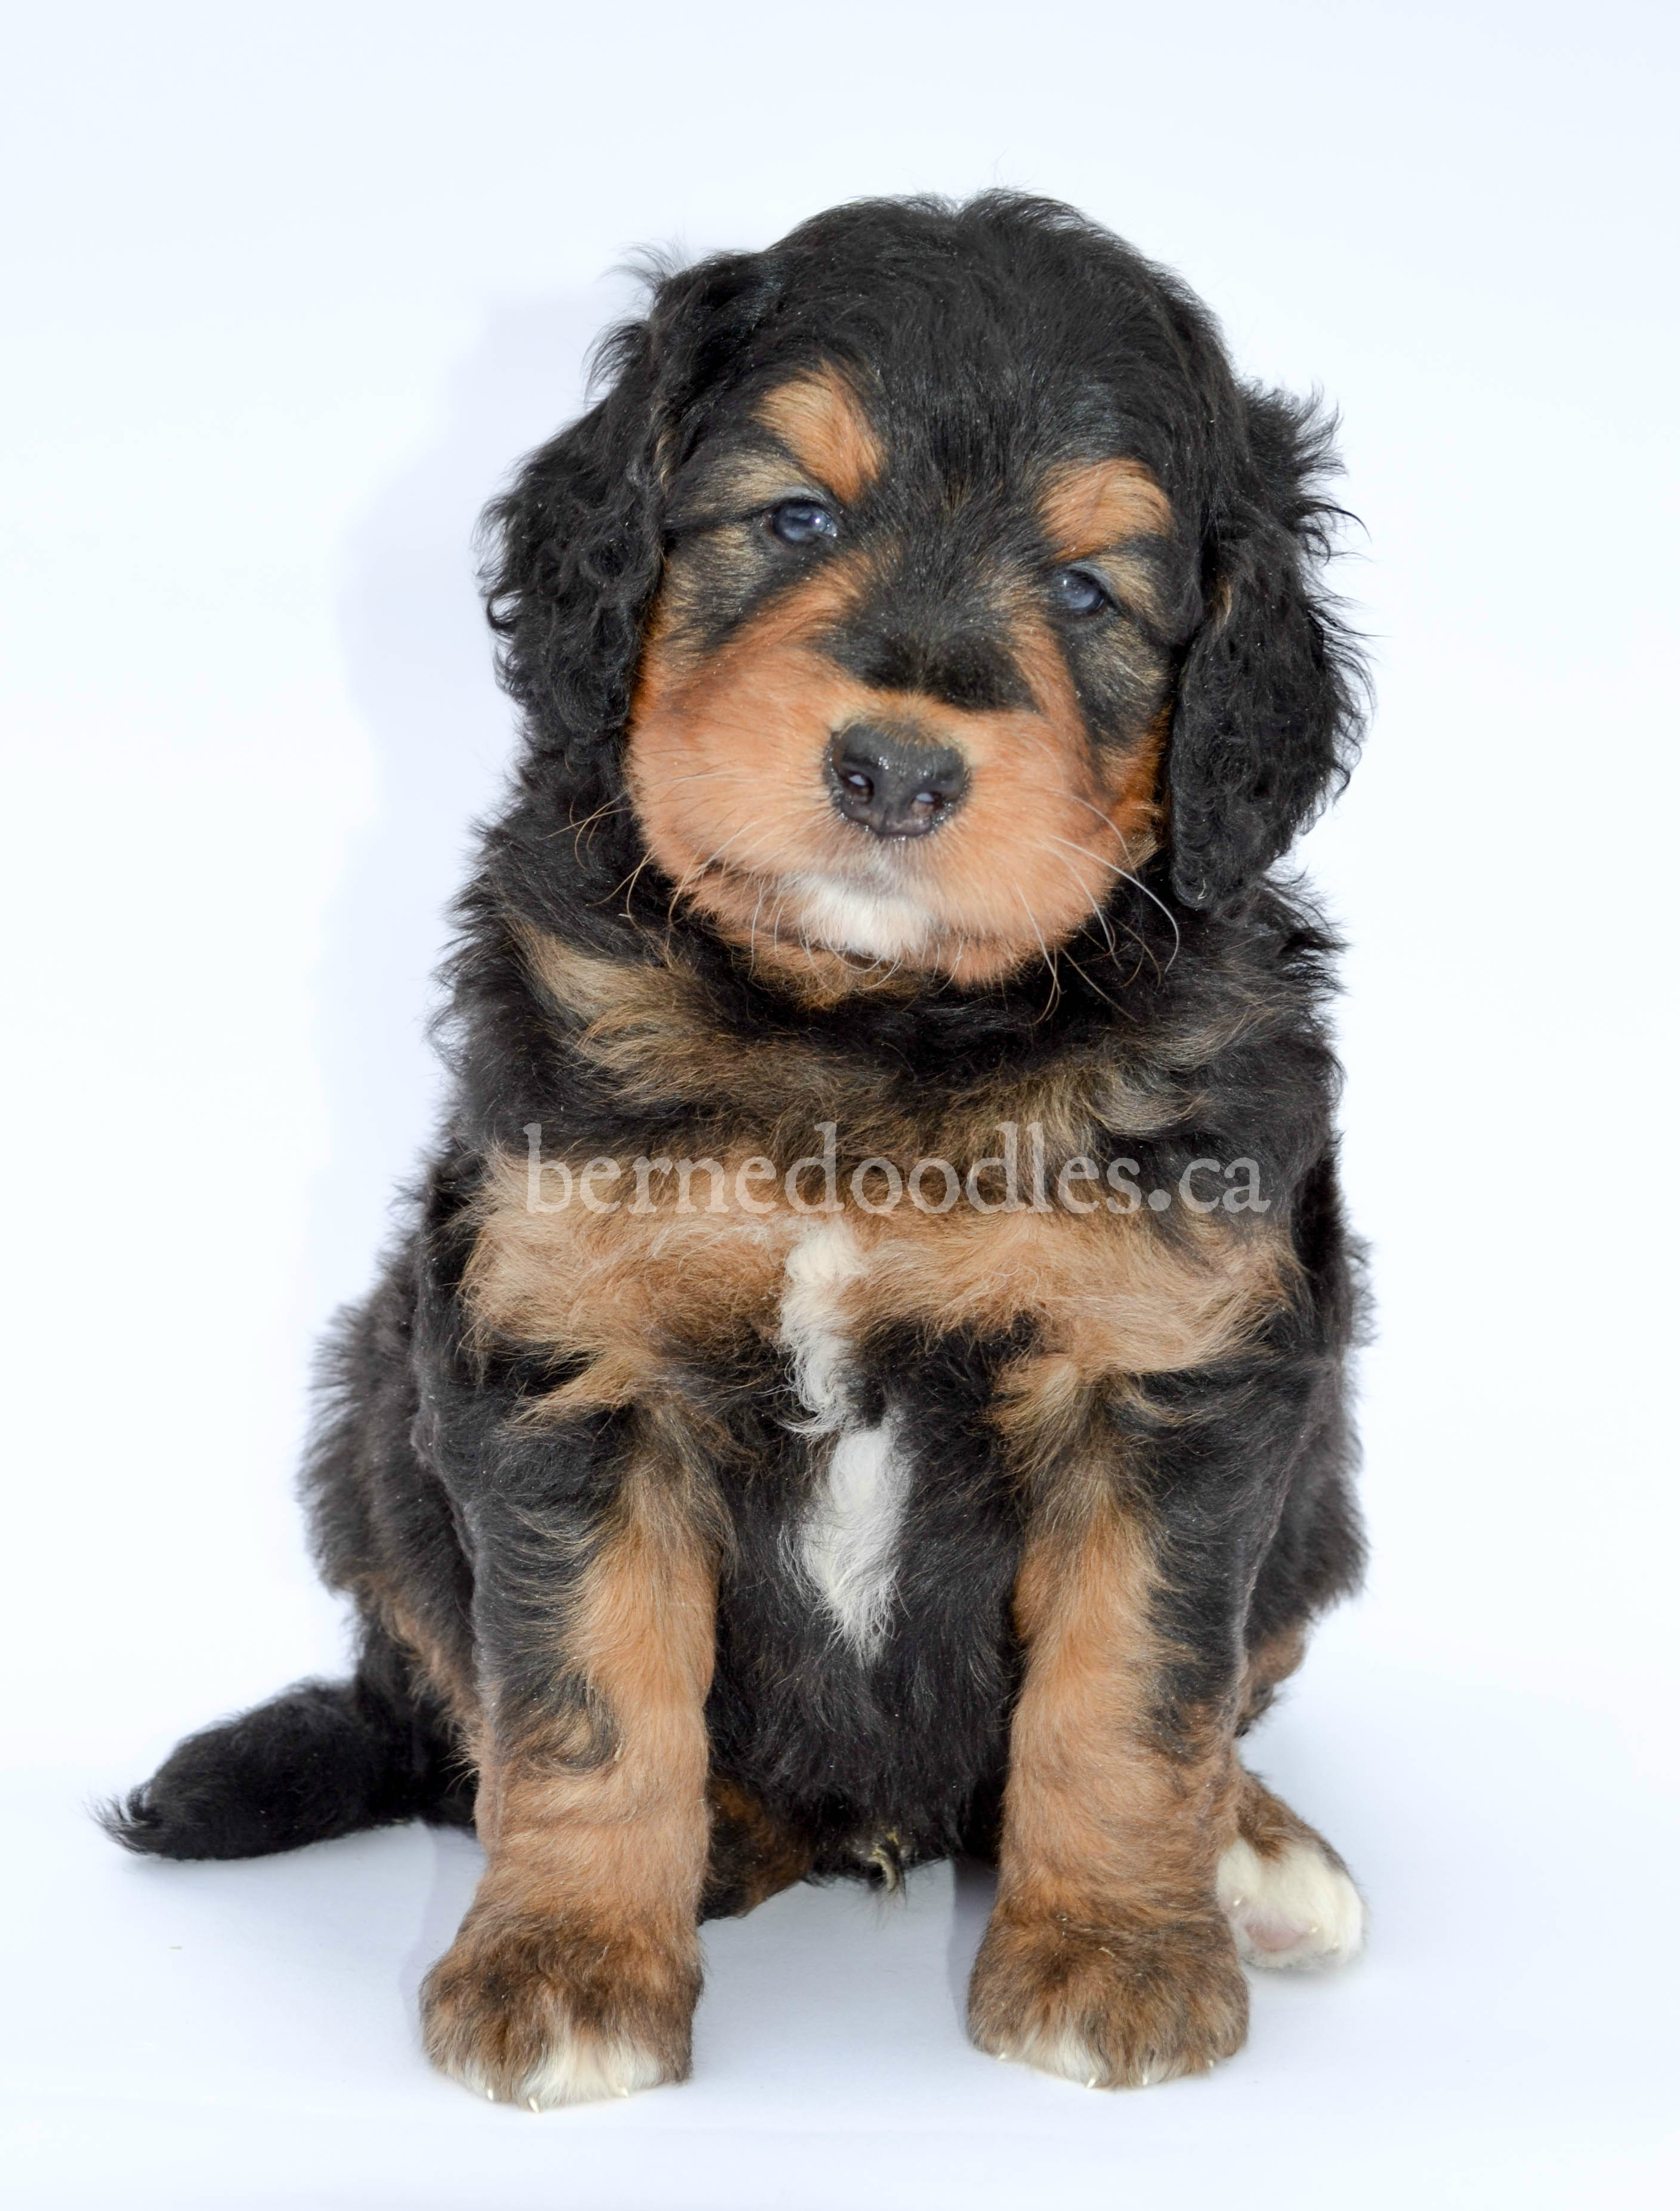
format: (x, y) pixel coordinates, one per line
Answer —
(892, 785)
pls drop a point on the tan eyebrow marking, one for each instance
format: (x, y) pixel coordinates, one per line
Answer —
(1098, 506)
(818, 417)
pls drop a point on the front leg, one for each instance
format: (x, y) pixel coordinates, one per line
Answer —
(575, 1972)
(1107, 1959)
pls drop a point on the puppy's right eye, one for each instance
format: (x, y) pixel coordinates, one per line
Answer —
(803, 522)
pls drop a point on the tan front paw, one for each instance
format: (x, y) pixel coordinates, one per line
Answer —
(536, 2013)
(1109, 2005)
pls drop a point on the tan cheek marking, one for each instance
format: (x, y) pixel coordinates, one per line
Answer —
(817, 416)
(1012, 877)
(725, 758)
(1124, 784)
(1133, 793)
(1049, 823)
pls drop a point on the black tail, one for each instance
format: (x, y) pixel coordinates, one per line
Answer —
(323, 1759)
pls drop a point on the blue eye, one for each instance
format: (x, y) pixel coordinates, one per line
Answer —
(803, 522)
(1077, 592)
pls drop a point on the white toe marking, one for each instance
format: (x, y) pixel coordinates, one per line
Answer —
(1063, 2053)
(1296, 1909)
(578, 2068)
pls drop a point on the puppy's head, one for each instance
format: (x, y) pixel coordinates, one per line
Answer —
(921, 579)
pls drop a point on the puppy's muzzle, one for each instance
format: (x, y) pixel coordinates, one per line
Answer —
(892, 785)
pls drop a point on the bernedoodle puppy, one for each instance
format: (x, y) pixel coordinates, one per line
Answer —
(864, 1377)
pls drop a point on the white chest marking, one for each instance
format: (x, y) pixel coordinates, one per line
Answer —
(848, 1544)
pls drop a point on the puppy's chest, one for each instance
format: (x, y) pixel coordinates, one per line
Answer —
(700, 1260)
(846, 1294)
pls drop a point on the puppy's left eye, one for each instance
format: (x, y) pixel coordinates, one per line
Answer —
(803, 522)
(1077, 592)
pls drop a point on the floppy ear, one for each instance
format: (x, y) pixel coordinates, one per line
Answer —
(574, 548)
(1271, 688)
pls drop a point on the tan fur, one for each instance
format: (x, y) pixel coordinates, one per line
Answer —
(753, 1855)
(447, 1669)
(1097, 512)
(633, 1293)
(1269, 1663)
(1268, 1826)
(582, 1937)
(1100, 506)
(637, 1294)
(818, 418)
(1107, 1958)
(650, 1026)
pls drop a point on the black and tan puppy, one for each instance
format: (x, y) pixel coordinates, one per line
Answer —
(865, 1378)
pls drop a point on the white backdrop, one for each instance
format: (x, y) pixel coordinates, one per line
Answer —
(288, 290)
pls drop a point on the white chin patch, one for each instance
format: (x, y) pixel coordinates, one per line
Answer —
(874, 924)
(1295, 1910)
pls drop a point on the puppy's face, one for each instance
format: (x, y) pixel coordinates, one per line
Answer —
(903, 698)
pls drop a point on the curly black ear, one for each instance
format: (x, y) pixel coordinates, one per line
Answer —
(574, 548)
(1272, 686)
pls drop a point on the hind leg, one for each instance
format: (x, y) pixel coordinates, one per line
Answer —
(1290, 1899)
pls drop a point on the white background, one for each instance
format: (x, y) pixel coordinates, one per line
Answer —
(287, 291)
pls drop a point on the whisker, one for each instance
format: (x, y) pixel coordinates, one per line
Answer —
(628, 885)
(1137, 883)
(577, 828)
(1049, 962)
(1102, 917)
(1126, 876)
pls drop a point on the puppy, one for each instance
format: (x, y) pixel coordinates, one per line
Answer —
(864, 1377)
